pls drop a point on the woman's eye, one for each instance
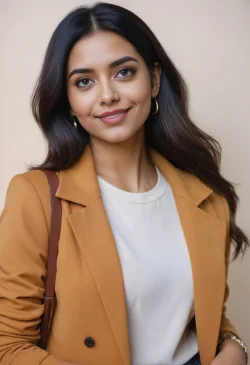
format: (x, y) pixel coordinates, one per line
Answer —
(125, 72)
(83, 82)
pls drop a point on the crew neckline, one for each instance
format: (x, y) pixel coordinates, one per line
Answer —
(110, 191)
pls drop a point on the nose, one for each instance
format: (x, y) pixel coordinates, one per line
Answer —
(108, 94)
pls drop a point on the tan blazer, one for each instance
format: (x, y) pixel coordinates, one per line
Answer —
(89, 283)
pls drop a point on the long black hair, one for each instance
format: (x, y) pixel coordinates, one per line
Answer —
(171, 132)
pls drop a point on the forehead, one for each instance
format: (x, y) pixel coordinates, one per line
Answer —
(99, 49)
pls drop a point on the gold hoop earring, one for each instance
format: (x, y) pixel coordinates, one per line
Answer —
(74, 121)
(156, 107)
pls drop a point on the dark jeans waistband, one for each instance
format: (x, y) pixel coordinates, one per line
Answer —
(194, 361)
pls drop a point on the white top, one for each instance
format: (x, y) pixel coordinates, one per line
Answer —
(157, 273)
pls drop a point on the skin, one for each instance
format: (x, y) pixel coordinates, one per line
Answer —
(107, 88)
(231, 353)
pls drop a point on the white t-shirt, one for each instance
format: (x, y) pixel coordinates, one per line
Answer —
(157, 273)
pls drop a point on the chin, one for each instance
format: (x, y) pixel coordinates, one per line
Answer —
(116, 139)
(118, 136)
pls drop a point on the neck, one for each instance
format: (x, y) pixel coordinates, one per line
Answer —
(125, 165)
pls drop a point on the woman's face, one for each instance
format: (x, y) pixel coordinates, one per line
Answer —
(105, 73)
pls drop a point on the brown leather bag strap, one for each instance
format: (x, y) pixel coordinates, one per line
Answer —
(55, 230)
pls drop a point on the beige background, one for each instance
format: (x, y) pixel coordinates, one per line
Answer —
(209, 40)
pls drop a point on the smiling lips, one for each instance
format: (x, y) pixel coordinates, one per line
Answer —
(114, 116)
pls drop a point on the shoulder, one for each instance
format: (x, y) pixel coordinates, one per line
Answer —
(191, 187)
(210, 200)
(29, 185)
(24, 229)
(29, 191)
(213, 202)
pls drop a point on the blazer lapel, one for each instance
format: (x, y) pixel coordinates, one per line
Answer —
(91, 228)
(205, 235)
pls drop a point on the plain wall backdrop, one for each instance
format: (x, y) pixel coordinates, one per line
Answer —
(208, 40)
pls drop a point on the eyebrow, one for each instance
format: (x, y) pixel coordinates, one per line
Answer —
(111, 65)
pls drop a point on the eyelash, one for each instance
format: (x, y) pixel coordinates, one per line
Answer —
(130, 69)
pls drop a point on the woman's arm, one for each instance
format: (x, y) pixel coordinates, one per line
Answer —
(230, 354)
(23, 256)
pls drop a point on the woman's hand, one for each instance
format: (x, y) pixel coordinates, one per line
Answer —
(69, 363)
(231, 353)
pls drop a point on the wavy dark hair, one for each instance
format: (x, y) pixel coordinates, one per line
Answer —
(171, 133)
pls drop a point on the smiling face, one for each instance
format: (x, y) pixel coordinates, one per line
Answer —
(106, 74)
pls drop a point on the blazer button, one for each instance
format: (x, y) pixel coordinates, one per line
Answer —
(89, 342)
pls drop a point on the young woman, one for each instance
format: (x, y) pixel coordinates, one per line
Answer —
(147, 218)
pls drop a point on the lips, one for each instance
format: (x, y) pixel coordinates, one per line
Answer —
(113, 113)
(114, 117)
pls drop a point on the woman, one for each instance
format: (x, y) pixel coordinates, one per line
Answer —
(147, 218)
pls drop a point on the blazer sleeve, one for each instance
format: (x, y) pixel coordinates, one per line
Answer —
(226, 325)
(23, 256)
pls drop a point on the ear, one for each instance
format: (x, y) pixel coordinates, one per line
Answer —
(156, 79)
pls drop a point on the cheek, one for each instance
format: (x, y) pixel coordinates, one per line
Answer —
(141, 92)
(142, 100)
(80, 102)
